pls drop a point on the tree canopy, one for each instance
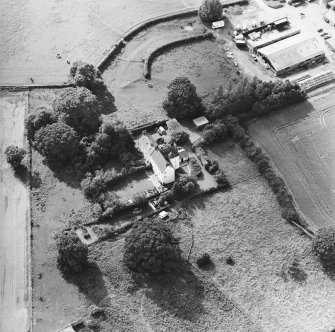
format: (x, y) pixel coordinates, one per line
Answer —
(72, 253)
(324, 243)
(15, 155)
(86, 75)
(78, 108)
(57, 142)
(182, 101)
(210, 10)
(39, 119)
(151, 247)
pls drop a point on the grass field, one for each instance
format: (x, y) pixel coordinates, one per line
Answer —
(300, 140)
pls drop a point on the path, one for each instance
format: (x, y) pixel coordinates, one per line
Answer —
(14, 220)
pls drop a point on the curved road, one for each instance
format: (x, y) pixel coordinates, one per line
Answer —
(15, 294)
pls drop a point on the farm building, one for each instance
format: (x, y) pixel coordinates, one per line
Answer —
(330, 17)
(331, 43)
(163, 169)
(291, 53)
(200, 122)
(270, 37)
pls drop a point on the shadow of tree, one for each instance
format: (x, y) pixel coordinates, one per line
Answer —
(180, 293)
(90, 282)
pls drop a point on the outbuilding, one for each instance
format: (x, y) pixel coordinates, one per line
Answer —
(200, 122)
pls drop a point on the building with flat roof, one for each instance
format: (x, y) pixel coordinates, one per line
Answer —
(291, 53)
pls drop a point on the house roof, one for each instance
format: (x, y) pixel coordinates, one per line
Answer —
(291, 51)
(201, 121)
(159, 160)
(149, 143)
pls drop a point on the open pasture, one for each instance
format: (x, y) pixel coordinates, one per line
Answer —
(300, 140)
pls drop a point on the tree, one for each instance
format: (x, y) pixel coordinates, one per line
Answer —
(210, 10)
(182, 101)
(14, 156)
(37, 120)
(324, 244)
(88, 76)
(180, 137)
(72, 253)
(78, 108)
(151, 248)
(57, 142)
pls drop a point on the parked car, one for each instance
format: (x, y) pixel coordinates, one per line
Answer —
(253, 56)
(326, 37)
(326, 19)
(267, 66)
(320, 30)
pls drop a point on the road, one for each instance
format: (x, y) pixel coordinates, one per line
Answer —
(14, 220)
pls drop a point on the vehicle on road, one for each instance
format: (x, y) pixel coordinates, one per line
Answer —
(326, 37)
(254, 57)
(319, 30)
(326, 19)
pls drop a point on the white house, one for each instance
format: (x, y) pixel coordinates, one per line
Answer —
(161, 167)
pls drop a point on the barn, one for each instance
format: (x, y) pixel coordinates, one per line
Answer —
(291, 53)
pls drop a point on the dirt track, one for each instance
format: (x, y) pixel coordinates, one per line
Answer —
(301, 142)
(14, 212)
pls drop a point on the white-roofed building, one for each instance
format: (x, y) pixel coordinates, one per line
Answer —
(163, 169)
(291, 53)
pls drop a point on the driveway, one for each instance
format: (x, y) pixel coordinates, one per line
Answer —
(15, 291)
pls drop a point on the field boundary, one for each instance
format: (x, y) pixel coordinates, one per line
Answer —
(159, 50)
(116, 48)
(35, 86)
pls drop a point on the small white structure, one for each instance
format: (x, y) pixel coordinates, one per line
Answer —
(163, 215)
(218, 24)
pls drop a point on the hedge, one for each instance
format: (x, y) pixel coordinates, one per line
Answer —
(154, 53)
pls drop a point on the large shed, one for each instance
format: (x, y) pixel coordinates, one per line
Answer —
(291, 53)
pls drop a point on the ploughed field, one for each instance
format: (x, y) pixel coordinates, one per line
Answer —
(301, 142)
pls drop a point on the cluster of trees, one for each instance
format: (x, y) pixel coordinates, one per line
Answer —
(73, 131)
(182, 187)
(210, 10)
(213, 132)
(253, 97)
(88, 76)
(151, 248)
(72, 253)
(182, 101)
